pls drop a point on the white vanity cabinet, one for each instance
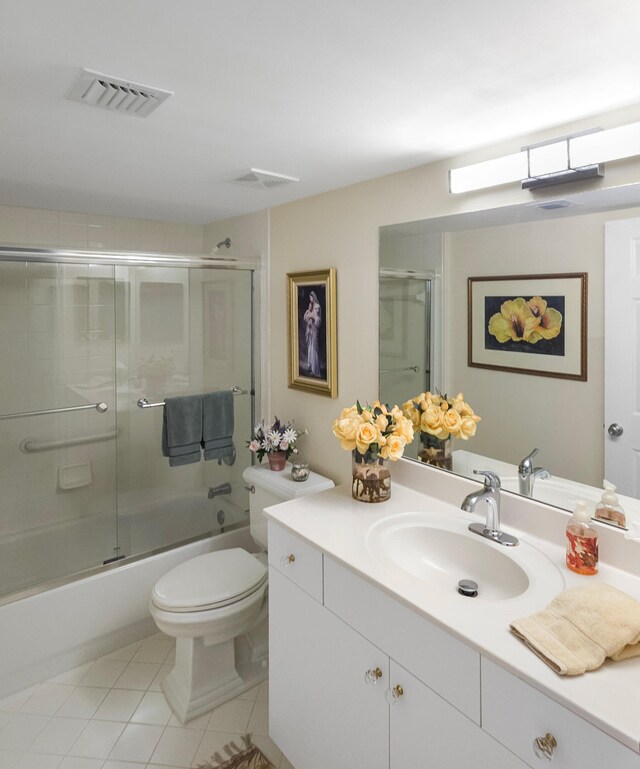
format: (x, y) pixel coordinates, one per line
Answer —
(359, 679)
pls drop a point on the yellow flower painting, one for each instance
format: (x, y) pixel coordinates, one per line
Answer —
(525, 320)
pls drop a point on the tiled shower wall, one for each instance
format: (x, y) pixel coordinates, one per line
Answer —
(39, 227)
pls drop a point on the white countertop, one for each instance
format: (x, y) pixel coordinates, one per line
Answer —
(338, 525)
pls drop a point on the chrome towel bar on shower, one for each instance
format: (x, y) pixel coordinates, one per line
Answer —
(415, 369)
(143, 403)
(99, 407)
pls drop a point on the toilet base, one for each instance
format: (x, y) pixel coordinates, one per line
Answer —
(205, 677)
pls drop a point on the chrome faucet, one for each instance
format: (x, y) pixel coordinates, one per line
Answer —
(528, 474)
(490, 494)
(216, 491)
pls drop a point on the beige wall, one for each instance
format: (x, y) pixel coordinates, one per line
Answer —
(340, 229)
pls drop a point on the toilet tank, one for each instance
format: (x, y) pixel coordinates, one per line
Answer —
(269, 487)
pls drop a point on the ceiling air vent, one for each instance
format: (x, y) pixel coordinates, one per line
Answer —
(263, 180)
(118, 95)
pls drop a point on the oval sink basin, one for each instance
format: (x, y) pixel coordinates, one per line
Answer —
(440, 550)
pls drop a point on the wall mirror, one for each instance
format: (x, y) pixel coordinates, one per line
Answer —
(425, 267)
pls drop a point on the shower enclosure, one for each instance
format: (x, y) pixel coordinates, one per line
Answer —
(90, 345)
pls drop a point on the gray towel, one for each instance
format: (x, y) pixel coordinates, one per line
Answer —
(182, 430)
(217, 426)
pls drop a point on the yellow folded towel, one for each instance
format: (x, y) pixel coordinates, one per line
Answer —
(582, 627)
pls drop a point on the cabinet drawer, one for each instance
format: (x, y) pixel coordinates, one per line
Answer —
(448, 666)
(296, 559)
(516, 714)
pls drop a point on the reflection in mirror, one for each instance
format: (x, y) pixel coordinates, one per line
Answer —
(520, 412)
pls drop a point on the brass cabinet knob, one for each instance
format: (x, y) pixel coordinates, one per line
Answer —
(393, 695)
(543, 746)
(372, 676)
(287, 560)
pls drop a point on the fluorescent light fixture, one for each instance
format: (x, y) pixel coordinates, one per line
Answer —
(613, 144)
(562, 160)
(510, 168)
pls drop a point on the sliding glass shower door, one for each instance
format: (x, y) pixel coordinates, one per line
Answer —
(57, 446)
(82, 348)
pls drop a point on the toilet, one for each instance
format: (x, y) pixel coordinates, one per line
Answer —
(215, 606)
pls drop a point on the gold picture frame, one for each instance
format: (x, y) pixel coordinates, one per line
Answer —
(529, 324)
(312, 332)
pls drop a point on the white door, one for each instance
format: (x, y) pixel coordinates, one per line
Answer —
(622, 356)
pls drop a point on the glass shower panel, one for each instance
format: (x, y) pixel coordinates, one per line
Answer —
(190, 334)
(57, 470)
(405, 358)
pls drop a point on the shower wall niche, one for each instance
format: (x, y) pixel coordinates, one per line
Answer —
(84, 486)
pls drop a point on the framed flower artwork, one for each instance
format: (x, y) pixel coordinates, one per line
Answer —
(312, 332)
(529, 324)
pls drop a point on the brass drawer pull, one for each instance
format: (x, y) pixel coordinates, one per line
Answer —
(543, 746)
(287, 560)
(372, 676)
(394, 694)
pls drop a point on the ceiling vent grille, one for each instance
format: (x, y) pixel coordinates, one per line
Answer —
(118, 95)
(263, 180)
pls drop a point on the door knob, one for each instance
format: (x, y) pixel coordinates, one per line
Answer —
(615, 430)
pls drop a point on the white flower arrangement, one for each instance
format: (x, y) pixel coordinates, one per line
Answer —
(279, 436)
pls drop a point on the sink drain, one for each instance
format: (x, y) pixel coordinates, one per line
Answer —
(468, 588)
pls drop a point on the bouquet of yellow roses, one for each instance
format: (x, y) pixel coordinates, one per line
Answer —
(374, 431)
(441, 416)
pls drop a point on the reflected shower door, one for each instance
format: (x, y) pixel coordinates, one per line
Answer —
(57, 469)
(405, 340)
(190, 333)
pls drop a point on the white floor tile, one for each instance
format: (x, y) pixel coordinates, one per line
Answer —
(6, 716)
(71, 677)
(103, 673)
(214, 742)
(58, 735)
(125, 654)
(123, 765)
(14, 702)
(250, 694)
(177, 746)
(159, 678)
(233, 716)
(137, 675)
(137, 742)
(153, 709)
(118, 705)
(200, 722)
(46, 699)
(82, 702)
(73, 762)
(38, 761)
(263, 692)
(9, 758)
(98, 739)
(21, 731)
(153, 651)
(259, 721)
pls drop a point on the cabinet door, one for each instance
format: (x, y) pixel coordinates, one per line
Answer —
(426, 731)
(322, 712)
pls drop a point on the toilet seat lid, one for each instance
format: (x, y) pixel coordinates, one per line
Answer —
(210, 581)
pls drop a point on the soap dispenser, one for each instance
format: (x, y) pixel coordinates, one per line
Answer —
(609, 508)
(582, 542)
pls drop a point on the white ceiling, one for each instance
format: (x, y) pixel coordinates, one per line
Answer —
(330, 91)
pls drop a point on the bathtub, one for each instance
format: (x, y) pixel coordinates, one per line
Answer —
(58, 629)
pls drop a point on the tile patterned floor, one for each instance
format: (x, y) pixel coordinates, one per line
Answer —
(111, 714)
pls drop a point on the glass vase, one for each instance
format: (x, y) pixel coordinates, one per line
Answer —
(436, 451)
(371, 478)
(277, 460)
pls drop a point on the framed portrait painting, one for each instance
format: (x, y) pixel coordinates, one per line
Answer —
(529, 324)
(312, 332)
